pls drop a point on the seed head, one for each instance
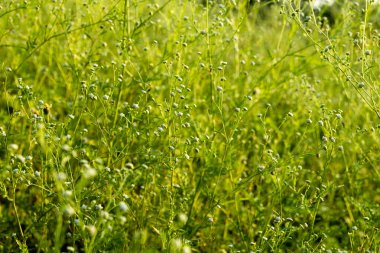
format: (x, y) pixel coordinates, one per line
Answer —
(92, 96)
(123, 206)
(61, 176)
(129, 165)
(99, 207)
(89, 171)
(67, 194)
(91, 230)
(13, 146)
(69, 211)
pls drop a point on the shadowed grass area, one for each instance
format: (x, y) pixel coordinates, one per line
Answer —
(189, 126)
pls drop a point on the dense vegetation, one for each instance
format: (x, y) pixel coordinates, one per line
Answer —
(189, 126)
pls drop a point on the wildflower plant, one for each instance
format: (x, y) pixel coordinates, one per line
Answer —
(189, 126)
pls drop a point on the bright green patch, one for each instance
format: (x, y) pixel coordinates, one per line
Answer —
(189, 126)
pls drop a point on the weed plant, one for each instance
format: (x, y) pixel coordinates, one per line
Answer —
(189, 126)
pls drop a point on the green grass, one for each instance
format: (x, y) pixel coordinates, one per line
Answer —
(182, 126)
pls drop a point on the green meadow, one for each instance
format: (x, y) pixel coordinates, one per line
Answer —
(189, 126)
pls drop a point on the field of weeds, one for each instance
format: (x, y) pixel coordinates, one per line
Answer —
(189, 126)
